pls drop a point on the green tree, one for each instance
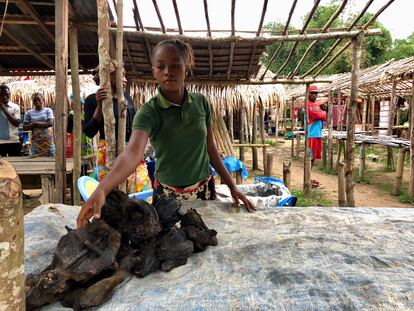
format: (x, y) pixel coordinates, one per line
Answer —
(402, 48)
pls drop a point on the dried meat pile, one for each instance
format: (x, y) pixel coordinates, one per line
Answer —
(132, 236)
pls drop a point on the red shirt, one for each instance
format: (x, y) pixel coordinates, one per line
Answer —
(315, 112)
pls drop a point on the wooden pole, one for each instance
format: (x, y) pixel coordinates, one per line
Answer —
(241, 125)
(372, 114)
(324, 147)
(122, 107)
(286, 174)
(390, 156)
(330, 131)
(350, 145)
(230, 122)
(254, 138)
(269, 164)
(399, 172)
(411, 180)
(12, 291)
(262, 132)
(297, 145)
(77, 114)
(104, 67)
(307, 159)
(362, 163)
(61, 66)
(341, 184)
(292, 128)
(364, 113)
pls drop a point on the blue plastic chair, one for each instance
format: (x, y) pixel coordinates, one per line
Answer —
(87, 186)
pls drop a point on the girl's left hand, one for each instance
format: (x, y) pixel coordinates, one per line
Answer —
(237, 195)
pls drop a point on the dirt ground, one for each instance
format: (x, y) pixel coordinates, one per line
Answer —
(366, 195)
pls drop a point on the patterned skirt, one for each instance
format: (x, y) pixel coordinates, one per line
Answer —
(203, 190)
(42, 142)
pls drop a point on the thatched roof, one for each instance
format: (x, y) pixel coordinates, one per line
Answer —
(375, 80)
(27, 41)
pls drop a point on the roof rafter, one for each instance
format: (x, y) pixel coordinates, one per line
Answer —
(232, 44)
(154, 2)
(292, 9)
(324, 29)
(177, 15)
(305, 25)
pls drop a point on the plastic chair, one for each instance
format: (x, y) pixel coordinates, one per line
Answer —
(87, 186)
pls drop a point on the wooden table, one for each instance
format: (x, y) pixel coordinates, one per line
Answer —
(39, 173)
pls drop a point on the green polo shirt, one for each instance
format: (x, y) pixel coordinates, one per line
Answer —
(178, 135)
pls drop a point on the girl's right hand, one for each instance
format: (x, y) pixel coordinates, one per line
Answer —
(92, 207)
(101, 94)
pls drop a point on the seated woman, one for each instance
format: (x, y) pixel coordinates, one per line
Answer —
(40, 121)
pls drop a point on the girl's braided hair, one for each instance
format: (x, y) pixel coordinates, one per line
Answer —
(183, 48)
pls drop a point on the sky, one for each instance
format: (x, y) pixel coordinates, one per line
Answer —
(397, 17)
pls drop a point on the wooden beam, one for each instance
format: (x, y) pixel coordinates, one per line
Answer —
(411, 123)
(27, 8)
(307, 167)
(104, 77)
(138, 21)
(134, 70)
(330, 130)
(391, 115)
(292, 9)
(331, 49)
(230, 59)
(207, 18)
(350, 141)
(264, 9)
(305, 25)
(61, 60)
(177, 15)
(233, 8)
(122, 107)
(77, 113)
(44, 60)
(325, 28)
(159, 15)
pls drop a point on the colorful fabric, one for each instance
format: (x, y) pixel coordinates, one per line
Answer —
(42, 142)
(315, 129)
(178, 134)
(203, 190)
(9, 132)
(138, 181)
(315, 148)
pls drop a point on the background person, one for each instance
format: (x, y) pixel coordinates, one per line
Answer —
(40, 121)
(9, 124)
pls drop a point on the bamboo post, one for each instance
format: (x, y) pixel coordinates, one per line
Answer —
(399, 172)
(120, 84)
(262, 132)
(104, 63)
(330, 131)
(276, 124)
(362, 163)
(292, 151)
(350, 145)
(307, 159)
(297, 145)
(61, 68)
(372, 114)
(286, 174)
(364, 114)
(341, 184)
(269, 164)
(390, 157)
(77, 119)
(12, 291)
(324, 153)
(241, 134)
(254, 139)
(230, 122)
(411, 180)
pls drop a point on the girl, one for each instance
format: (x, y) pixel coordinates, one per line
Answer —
(178, 124)
(40, 121)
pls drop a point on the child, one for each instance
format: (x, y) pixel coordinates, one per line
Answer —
(178, 124)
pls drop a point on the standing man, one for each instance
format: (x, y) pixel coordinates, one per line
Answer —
(316, 118)
(9, 124)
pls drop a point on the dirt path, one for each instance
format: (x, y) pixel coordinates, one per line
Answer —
(365, 195)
